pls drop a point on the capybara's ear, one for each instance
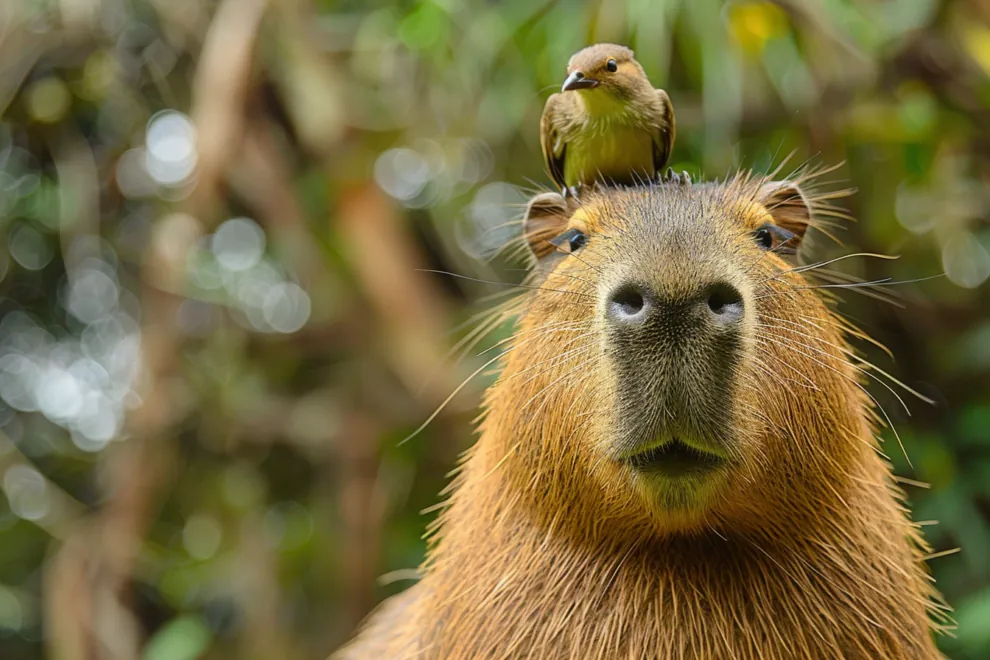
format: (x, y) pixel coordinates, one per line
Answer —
(547, 215)
(788, 206)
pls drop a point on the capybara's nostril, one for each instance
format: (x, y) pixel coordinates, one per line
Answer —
(632, 305)
(628, 305)
(725, 302)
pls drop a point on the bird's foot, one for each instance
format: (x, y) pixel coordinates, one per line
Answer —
(571, 191)
(683, 178)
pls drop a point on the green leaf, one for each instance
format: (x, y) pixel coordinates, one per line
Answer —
(184, 638)
(972, 617)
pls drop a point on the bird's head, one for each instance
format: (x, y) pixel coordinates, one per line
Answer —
(605, 68)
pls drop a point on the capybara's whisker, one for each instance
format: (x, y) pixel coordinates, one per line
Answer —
(506, 284)
(557, 359)
(810, 267)
(858, 368)
(686, 462)
(854, 356)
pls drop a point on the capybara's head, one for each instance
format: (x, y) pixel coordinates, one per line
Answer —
(674, 368)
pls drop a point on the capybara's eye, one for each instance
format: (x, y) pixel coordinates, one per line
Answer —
(772, 237)
(764, 238)
(571, 240)
(612, 66)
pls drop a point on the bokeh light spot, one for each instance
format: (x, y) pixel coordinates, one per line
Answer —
(11, 611)
(202, 536)
(286, 307)
(18, 375)
(170, 144)
(402, 173)
(238, 244)
(489, 224)
(27, 492)
(965, 260)
(48, 100)
(132, 176)
(30, 248)
(93, 294)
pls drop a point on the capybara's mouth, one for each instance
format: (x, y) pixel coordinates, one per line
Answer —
(675, 459)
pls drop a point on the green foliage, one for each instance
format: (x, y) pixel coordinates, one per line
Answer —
(185, 638)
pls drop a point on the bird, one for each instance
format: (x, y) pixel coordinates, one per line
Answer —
(607, 123)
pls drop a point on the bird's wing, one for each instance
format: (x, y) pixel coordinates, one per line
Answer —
(553, 147)
(664, 131)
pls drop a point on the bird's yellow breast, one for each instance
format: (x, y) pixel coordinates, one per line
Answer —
(618, 152)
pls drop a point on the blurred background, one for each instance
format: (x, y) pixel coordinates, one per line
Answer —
(215, 324)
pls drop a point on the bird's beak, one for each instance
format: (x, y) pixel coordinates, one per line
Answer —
(577, 80)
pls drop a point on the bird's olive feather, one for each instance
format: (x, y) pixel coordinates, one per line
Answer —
(615, 128)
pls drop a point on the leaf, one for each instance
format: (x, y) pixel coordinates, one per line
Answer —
(184, 638)
(972, 617)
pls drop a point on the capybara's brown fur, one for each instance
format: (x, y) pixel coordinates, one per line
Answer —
(567, 534)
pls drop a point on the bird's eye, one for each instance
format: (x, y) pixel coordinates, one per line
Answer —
(612, 66)
(570, 241)
(772, 237)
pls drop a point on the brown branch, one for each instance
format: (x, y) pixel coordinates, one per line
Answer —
(219, 92)
(413, 310)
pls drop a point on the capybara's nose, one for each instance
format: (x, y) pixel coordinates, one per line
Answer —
(632, 305)
(629, 305)
(724, 302)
